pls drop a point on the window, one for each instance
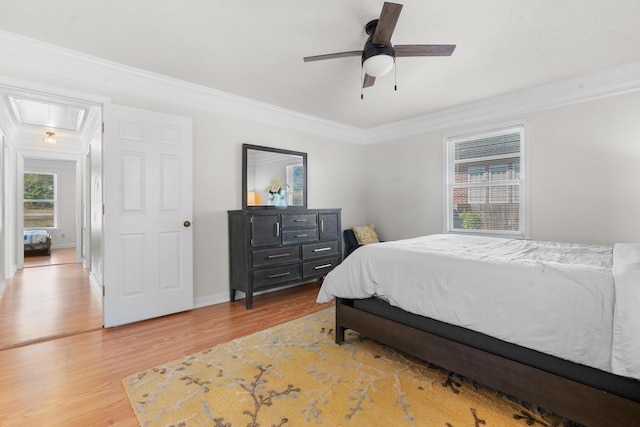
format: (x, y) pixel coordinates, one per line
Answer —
(485, 183)
(476, 194)
(295, 184)
(40, 205)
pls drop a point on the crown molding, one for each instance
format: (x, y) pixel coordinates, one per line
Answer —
(613, 81)
(33, 57)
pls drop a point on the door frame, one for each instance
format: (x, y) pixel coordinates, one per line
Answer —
(36, 155)
(14, 241)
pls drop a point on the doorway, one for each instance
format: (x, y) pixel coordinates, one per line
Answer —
(47, 297)
(147, 161)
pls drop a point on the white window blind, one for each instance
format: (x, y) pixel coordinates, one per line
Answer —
(484, 182)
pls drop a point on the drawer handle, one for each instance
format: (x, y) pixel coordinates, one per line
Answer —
(320, 267)
(302, 235)
(277, 256)
(300, 220)
(274, 276)
(322, 249)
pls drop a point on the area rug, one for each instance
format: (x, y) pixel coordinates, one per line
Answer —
(295, 375)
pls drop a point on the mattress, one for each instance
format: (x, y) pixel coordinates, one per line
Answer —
(555, 298)
(32, 236)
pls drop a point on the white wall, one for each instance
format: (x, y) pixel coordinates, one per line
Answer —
(334, 181)
(95, 184)
(585, 160)
(10, 209)
(64, 236)
(585, 170)
(2, 215)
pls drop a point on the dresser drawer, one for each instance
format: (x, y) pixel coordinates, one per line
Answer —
(267, 277)
(281, 255)
(300, 236)
(319, 267)
(299, 220)
(315, 250)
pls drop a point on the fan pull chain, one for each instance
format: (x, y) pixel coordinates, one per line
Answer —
(395, 75)
(361, 83)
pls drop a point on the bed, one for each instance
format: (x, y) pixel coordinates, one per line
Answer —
(554, 324)
(37, 242)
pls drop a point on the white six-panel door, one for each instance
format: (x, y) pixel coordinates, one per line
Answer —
(148, 252)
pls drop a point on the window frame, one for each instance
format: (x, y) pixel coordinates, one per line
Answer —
(54, 201)
(521, 176)
(476, 197)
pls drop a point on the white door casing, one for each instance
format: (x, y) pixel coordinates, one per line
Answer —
(148, 207)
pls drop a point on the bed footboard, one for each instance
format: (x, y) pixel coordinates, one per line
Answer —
(568, 398)
(38, 248)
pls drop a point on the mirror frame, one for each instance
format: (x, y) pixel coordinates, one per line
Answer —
(245, 148)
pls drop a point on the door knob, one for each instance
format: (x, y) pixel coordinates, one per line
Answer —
(187, 224)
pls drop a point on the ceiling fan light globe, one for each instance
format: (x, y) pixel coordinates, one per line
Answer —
(378, 65)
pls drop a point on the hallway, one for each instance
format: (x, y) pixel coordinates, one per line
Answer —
(57, 257)
(50, 297)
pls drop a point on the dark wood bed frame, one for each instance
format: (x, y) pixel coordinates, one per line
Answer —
(33, 249)
(569, 398)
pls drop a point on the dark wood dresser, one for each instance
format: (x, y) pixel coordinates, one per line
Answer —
(273, 247)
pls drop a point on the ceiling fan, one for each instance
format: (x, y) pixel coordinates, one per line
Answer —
(378, 54)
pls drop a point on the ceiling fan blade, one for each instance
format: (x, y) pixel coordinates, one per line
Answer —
(424, 49)
(387, 23)
(333, 55)
(368, 81)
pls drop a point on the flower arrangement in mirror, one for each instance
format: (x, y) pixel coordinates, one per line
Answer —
(277, 194)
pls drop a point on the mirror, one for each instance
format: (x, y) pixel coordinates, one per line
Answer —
(273, 178)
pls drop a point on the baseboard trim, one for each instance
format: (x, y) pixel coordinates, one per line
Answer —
(63, 245)
(95, 284)
(219, 298)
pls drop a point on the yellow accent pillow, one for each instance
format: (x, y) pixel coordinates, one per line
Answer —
(365, 234)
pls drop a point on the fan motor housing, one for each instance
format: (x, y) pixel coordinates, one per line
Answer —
(371, 49)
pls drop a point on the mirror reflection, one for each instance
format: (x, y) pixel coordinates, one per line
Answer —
(274, 177)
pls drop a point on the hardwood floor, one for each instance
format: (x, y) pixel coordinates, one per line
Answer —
(48, 301)
(76, 380)
(57, 257)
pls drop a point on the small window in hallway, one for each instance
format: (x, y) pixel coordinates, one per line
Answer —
(40, 200)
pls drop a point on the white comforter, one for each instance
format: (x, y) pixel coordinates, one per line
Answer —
(556, 298)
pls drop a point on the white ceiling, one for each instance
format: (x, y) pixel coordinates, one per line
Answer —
(254, 48)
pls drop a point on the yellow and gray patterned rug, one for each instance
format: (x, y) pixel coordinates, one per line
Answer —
(295, 375)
